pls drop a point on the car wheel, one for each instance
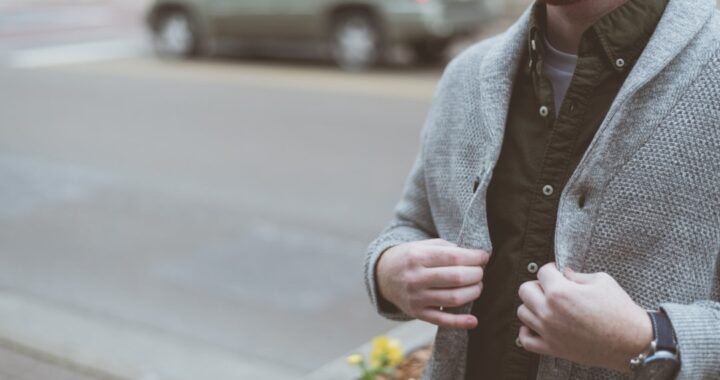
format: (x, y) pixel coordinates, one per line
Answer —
(176, 36)
(356, 42)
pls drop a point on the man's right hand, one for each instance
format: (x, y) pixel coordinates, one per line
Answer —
(422, 276)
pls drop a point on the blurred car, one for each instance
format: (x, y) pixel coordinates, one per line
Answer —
(355, 33)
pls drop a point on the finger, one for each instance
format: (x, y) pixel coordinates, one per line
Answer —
(445, 319)
(529, 319)
(452, 297)
(447, 256)
(439, 242)
(533, 342)
(532, 296)
(550, 277)
(451, 277)
(579, 278)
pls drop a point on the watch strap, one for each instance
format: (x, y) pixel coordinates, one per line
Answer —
(664, 335)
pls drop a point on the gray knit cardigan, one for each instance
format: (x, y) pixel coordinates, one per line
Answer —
(650, 181)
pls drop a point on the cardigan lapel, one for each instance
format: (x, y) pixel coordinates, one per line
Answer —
(492, 85)
(675, 54)
(495, 76)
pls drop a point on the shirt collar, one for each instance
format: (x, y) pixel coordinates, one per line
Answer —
(621, 34)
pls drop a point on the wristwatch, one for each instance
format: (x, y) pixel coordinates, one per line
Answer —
(661, 361)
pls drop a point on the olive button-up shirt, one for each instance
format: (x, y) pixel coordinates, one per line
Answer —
(541, 148)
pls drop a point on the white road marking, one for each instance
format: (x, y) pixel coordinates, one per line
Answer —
(77, 53)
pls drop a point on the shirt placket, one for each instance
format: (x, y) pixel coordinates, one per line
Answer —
(564, 129)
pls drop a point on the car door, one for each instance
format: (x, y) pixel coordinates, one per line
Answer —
(299, 19)
(242, 18)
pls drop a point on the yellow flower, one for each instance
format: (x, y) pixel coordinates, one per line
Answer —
(385, 352)
(355, 359)
(380, 343)
(377, 353)
(395, 354)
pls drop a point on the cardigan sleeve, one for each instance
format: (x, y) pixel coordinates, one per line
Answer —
(412, 217)
(412, 221)
(697, 328)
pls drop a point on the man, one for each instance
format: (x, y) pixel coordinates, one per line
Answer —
(562, 218)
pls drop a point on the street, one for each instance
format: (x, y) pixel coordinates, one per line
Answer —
(188, 220)
(162, 218)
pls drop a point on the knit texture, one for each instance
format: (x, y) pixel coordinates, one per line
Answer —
(649, 181)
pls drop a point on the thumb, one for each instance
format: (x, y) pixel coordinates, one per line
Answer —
(579, 278)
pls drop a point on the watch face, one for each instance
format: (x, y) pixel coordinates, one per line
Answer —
(662, 365)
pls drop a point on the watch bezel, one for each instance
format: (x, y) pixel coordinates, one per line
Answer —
(661, 365)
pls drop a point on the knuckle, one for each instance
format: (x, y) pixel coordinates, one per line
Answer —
(413, 300)
(413, 281)
(476, 291)
(544, 314)
(451, 257)
(528, 344)
(552, 296)
(543, 270)
(447, 320)
(522, 291)
(456, 299)
(413, 256)
(457, 278)
(522, 335)
(485, 257)
(475, 274)
(440, 321)
(556, 296)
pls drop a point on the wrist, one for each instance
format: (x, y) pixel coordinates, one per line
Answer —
(662, 359)
(381, 277)
(639, 342)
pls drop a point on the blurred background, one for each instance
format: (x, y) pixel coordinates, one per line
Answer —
(187, 188)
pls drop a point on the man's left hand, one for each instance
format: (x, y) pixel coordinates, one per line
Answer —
(585, 318)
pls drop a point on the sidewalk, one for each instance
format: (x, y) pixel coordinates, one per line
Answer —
(17, 363)
(73, 344)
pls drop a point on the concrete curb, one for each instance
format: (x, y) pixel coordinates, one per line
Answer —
(112, 349)
(412, 335)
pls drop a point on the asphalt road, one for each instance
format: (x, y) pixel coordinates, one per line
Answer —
(222, 204)
(186, 220)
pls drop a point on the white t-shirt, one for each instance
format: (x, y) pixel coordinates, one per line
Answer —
(558, 68)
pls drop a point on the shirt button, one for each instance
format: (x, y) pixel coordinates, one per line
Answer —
(518, 343)
(544, 111)
(548, 190)
(532, 268)
(620, 63)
